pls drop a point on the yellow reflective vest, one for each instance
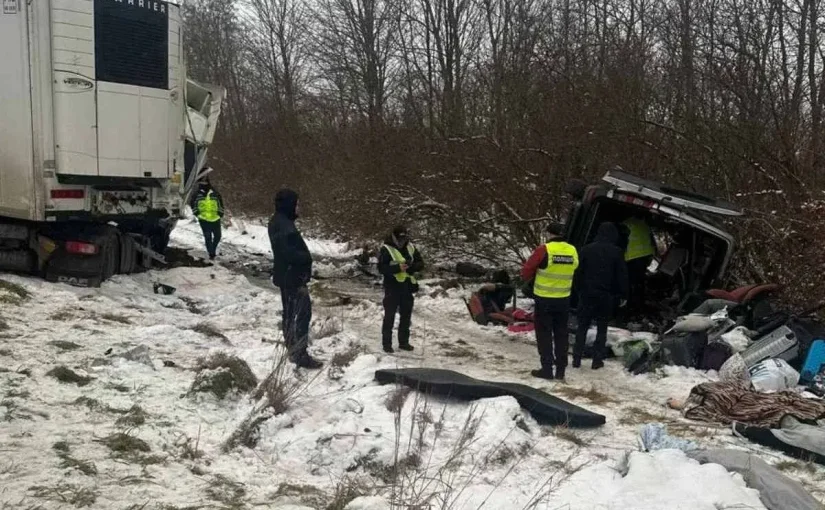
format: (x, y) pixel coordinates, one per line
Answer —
(398, 259)
(638, 244)
(556, 280)
(208, 208)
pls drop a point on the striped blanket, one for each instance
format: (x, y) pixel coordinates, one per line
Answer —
(728, 402)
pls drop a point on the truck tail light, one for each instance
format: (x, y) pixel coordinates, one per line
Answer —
(81, 248)
(68, 193)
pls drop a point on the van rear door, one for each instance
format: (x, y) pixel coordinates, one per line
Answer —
(665, 195)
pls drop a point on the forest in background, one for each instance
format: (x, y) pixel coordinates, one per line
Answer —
(467, 118)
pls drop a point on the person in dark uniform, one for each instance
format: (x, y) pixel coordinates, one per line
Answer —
(601, 280)
(291, 272)
(551, 268)
(398, 261)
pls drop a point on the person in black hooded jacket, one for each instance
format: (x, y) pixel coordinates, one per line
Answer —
(599, 281)
(291, 272)
(398, 261)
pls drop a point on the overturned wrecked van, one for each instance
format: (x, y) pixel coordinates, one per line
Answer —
(693, 250)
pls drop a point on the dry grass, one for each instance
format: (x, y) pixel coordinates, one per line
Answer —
(64, 315)
(13, 293)
(134, 417)
(592, 395)
(221, 374)
(230, 493)
(396, 398)
(341, 360)
(569, 435)
(795, 465)
(347, 490)
(65, 346)
(65, 493)
(637, 416)
(125, 444)
(457, 350)
(306, 494)
(113, 317)
(210, 331)
(275, 395)
(68, 376)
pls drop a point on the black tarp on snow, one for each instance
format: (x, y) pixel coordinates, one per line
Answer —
(545, 408)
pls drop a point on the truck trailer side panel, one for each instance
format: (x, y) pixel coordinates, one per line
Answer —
(17, 197)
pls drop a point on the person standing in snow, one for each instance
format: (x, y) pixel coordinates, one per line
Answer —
(291, 272)
(551, 268)
(398, 261)
(600, 280)
(207, 206)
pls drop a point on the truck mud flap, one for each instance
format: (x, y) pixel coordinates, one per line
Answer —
(77, 270)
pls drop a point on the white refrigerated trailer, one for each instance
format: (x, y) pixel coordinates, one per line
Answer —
(101, 135)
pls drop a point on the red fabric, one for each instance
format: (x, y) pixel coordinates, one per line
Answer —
(521, 327)
(522, 315)
(743, 294)
(536, 260)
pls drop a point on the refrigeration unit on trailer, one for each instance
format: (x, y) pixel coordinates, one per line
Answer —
(97, 124)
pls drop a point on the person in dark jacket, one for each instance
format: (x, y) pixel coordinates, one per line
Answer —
(291, 272)
(398, 261)
(207, 206)
(600, 280)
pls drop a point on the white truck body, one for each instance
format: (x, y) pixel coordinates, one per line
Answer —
(98, 121)
(93, 96)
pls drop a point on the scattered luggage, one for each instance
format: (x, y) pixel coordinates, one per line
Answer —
(715, 355)
(476, 309)
(684, 349)
(814, 361)
(781, 343)
(773, 375)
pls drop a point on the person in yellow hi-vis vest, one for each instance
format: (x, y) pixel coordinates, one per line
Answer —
(207, 206)
(551, 268)
(399, 261)
(639, 249)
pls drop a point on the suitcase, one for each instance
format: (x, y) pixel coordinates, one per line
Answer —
(684, 349)
(780, 343)
(715, 355)
(814, 361)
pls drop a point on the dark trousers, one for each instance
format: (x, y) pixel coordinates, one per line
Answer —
(597, 308)
(397, 299)
(212, 235)
(552, 332)
(297, 315)
(636, 273)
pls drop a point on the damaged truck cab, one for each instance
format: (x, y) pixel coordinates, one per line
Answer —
(693, 250)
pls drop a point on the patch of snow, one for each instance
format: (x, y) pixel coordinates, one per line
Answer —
(341, 428)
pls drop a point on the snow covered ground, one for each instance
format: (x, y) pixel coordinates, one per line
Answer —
(129, 434)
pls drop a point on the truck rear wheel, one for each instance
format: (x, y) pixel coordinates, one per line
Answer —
(128, 255)
(110, 246)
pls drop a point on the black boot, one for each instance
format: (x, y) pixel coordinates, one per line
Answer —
(543, 374)
(577, 361)
(388, 349)
(597, 364)
(560, 373)
(405, 347)
(308, 362)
